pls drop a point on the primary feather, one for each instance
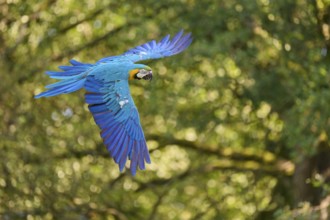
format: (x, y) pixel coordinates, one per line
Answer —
(109, 99)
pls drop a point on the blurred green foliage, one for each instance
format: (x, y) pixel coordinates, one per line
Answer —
(237, 126)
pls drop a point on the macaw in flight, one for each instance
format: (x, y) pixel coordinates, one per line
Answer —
(108, 95)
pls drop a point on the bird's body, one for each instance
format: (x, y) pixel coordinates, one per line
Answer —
(109, 99)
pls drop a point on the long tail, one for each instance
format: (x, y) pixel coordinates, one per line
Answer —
(72, 78)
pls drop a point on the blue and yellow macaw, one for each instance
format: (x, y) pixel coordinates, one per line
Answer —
(109, 99)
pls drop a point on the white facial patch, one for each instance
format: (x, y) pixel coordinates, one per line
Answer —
(142, 73)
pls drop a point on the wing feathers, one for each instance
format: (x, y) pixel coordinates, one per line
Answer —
(164, 41)
(177, 37)
(120, 124)
(153, 50)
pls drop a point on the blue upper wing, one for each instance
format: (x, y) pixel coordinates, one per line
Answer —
(155, 50)
(115, 113)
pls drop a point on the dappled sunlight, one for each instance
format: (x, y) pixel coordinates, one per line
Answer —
(237, 125)
(171, 160)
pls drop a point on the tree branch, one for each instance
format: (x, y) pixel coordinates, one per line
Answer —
(156, 205)
(264, 157)
(208, 168)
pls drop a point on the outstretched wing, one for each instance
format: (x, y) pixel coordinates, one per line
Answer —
(155, 50)
(115, 113)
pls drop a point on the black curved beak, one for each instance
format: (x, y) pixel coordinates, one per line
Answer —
(148, 76)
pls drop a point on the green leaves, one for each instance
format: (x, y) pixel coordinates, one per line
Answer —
(229, 122)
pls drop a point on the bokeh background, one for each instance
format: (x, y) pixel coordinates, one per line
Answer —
(237, 125)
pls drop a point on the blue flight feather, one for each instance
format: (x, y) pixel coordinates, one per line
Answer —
(153, 50)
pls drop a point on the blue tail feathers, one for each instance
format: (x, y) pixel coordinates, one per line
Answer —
(72, 78)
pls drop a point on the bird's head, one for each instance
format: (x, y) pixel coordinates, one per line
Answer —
(141, 72)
